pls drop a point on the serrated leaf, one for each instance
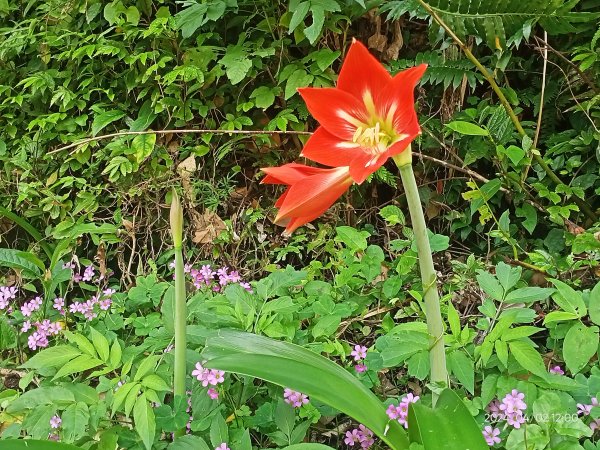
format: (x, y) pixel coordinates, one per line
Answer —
(528, 357)
(579, 346)
(79, 364)
(143, 145)
(52, 357)
(463, 369)
(155, 382)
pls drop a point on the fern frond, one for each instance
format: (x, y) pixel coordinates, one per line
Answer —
(441, 70)
(497, 21)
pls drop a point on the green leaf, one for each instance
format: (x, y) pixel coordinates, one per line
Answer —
(568, 298)
(145, 424)
(143, 145)
(33, 444)
(313, 32)
(102, 120)
(489, 283)
(189, 442)
(155, 382)
(16, 259)
(52, 357)
(236, 63)
(100, 344)
(218, 431)
(146, 366)
(298, 16)
(594, 304)
(263, 97)
(79, 364)
(535, 439)
(292, 366)
(579, 346)
(467, 128)
(507, 276)
(307, 446)
(557, 316)
(352, 238)
(529, 213)
(463, 369)
(299, 78)
(528, 357)
(528, 295)
(448, 426)
(74, 421)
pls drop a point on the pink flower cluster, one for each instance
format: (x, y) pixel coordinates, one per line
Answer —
(31, 306)
(206, 277)
(294, 398)
(586, 410)
(223, 446)
(491, 435)
(359, 353)
(39, 338)
(7, 293)
(209, 377)
(400, 412)
(361, 435)
(88, 273)
(511, 409)
(91, 307)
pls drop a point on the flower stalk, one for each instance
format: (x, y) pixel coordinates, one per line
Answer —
(176, 219)
(435, 325)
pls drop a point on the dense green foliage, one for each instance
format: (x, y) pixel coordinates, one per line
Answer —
(513, 216)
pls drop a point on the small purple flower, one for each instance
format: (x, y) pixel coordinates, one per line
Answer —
(515, 419)
(595, 424)
(208, 377)
(213, 393)
(556, 370)
(294, 398)
(88, 273)
(223, 446)
(105, 304)
(491, 435)
(352, 437)
(59, 303)
(26, 326)
(360, 368)
(55, 422)
(359, 352)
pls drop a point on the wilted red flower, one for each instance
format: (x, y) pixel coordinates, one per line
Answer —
(366, 119)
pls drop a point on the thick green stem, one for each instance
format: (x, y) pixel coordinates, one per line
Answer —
(435, 326)
(180, 370)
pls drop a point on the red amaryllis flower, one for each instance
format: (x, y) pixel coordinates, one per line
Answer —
(366, 119)
(310, 193)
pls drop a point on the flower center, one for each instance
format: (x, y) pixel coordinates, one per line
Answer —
(372, 138)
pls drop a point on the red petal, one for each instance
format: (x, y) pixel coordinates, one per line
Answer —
(325, 148)
(313, 195)
(338, 111)
(361, 72)
(363, 166)
(398, 99)
(288, 173)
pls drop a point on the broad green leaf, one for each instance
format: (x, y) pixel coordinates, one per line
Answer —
(528, 357)
(33, 444)
(568, 298)
(594, 304)
(218, 431)
(507, 276)
(142, 146)
(558, 316)
(528, 295)
(292, 366)
(37, 422)
(52, 357)
(529, 213)
(579, 346)
(79, 364)
(82, 342)
(100, 344)
(462, 368)
(74, 421)
(467, 128)
(449, 425)
(263, 97)
(16, 259)
(352, 238)
(298, 16)
(313, 32)
(531, 437)
(307, 446)
(145, 424)
(55, 395)
(104, 119)
(490, 284)
(155, 382)
(189, 442)
(145, 367)
(236, 63)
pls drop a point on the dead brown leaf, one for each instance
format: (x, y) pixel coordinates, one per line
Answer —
(207, 227)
